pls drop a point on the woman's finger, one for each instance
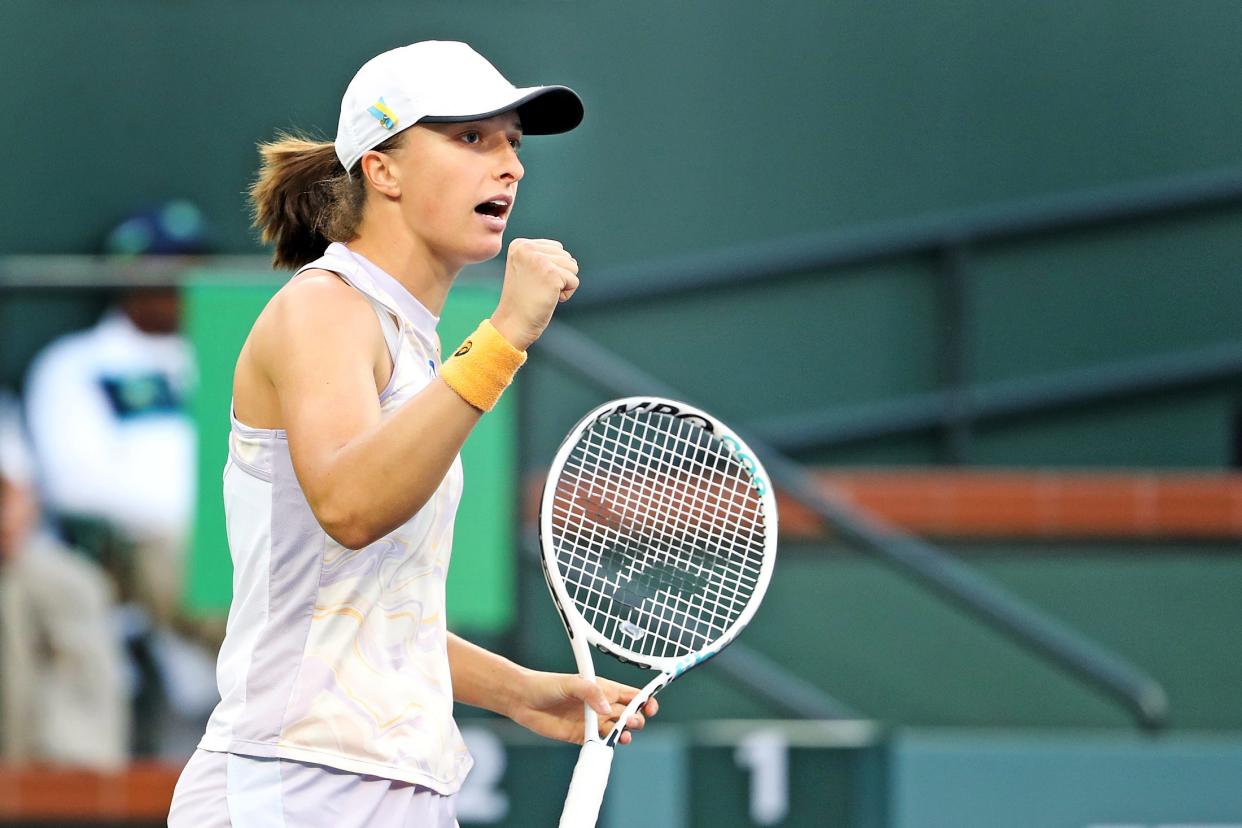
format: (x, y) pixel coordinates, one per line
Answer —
(620, 692)
(591, 693)
(647, 709)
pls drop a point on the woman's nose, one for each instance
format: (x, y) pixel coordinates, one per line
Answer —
(511, 166)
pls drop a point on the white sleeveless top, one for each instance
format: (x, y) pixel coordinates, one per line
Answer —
(331, 655)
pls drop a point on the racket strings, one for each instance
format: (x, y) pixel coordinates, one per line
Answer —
(658, 532)
(701, 504)
(671, 519)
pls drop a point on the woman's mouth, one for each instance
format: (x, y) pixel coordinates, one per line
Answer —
(495, 211)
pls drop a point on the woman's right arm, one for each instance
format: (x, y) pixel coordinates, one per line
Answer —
(317, 345)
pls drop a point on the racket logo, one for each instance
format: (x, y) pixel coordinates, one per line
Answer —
(659, 408)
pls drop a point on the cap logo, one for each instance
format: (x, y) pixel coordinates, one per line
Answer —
(383, 114)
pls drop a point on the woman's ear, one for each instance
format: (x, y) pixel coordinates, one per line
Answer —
(380, 170)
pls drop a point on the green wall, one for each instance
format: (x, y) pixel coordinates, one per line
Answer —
(872, 334)
(716, 123)
(712, 123)
(893, 652)
(708, 121)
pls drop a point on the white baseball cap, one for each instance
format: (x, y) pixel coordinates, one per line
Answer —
(440, 81)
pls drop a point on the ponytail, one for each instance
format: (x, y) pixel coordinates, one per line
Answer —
(303, 199)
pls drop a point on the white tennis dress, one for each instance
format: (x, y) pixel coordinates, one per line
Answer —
(332, 656)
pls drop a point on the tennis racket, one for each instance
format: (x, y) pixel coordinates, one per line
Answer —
(658, 536)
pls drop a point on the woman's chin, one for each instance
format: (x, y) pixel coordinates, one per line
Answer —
(486, 251)
(477, 250)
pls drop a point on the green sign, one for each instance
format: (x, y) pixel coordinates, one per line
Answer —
(220, 307)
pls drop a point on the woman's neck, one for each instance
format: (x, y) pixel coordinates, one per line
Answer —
(405, 257)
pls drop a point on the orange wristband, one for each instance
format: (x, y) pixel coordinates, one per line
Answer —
(482, 368)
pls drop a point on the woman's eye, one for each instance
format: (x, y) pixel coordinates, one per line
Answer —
(516, 143)
(472, 138)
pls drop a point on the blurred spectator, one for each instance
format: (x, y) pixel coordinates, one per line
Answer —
(106, 414)
(61, 666)
(115, 452)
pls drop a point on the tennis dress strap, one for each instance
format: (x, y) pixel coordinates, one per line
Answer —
(349, 272)
(392, 333)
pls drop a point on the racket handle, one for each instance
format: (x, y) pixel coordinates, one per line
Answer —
(586, 791)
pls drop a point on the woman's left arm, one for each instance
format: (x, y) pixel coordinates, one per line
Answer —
(549, 704)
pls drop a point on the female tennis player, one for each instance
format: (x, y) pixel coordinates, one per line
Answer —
(337, 676)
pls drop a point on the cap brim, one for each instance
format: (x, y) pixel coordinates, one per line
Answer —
(544, 110)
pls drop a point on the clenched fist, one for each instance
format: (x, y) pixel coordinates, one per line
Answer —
(539, 273)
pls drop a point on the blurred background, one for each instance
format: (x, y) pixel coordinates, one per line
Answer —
(968, 271)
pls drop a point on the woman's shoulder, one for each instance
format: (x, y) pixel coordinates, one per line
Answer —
(318, 295)
(316, 308)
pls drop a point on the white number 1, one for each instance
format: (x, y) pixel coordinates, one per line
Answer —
(765, 753)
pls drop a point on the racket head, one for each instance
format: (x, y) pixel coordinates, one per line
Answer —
(658, 531)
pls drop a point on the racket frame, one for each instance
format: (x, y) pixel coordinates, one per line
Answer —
(581, 634)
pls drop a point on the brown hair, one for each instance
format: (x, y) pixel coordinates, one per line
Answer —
(303, 199)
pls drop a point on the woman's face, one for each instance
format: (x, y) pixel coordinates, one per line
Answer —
(458, 184)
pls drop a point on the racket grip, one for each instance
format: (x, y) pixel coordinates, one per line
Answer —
(586, 791)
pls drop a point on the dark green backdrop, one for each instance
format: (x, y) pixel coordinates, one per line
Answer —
(710, 124)
(717, 122)
(708, 121)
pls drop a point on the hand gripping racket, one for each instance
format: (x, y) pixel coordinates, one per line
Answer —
(658, 533)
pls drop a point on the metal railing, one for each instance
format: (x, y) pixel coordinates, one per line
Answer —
(1104, 670)
(762, 262)
(1197, 368)
(947, 241)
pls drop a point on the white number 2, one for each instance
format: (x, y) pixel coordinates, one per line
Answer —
(481, 799)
